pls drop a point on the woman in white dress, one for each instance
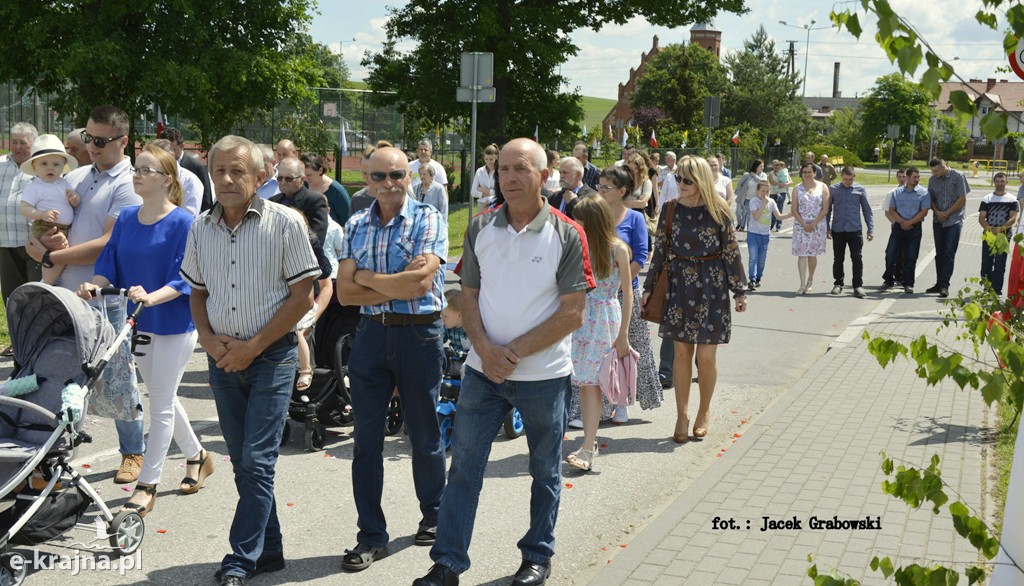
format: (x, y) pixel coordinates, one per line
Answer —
(723, 185)
(810, 203)
(483, 181)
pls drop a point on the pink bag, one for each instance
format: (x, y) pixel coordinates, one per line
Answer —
(618, 376)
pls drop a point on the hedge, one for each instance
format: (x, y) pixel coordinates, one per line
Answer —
(849, 158)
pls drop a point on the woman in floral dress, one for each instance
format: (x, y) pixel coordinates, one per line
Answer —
(704, 266)
(810, 202)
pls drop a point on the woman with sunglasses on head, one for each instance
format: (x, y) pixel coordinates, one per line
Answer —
(810, 204)
(703, 266)
(320, 182)
(144, 256)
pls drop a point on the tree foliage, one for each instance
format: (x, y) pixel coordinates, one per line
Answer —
(677, 80)
(893, 100)
(910, 51)
(529, 39)
(761, 94)
(214, 62)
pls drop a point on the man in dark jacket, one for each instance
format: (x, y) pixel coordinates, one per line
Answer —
(192, 163)
(571, 171)
(295, 195)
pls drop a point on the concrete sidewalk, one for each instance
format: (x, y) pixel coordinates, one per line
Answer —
(816, 452)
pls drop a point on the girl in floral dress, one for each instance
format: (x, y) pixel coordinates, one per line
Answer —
(810, 202)
(605, 325)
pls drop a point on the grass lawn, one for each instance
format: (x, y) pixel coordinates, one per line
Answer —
(594, 111)
(458, 219)
(1006, 438)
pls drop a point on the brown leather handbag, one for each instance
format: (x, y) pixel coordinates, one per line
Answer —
(655, 308)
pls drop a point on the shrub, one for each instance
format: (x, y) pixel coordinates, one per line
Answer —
(849, 158)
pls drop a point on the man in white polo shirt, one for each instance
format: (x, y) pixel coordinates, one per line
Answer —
(525, 274)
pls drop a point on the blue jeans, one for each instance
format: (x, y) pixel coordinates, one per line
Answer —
(780, 200)
(757, 248)
(252, 406)
(993, 267)
(947, 239)
(483, 406)
(410, 358)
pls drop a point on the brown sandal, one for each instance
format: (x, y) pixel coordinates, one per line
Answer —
(191, 485)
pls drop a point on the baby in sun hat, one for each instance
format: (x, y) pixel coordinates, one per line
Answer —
(48, 200)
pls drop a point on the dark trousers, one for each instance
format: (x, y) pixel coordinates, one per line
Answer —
(892, 274)
(780, 200)
(16, 269)
(993, 267)
(947, 239)
(855, 240)
(905, 243)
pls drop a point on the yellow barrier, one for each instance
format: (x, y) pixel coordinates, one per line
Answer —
(989, 165)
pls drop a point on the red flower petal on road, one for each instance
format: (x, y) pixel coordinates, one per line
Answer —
(161, 531)
(86, 466)
(290, 504)
(604, 446)
(737, 435)
(568, 485)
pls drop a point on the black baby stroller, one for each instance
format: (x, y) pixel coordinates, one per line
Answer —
(61, 347)
(327, 402)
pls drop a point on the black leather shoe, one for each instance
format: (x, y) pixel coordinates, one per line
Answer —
(267, 563)
(532, 574)
(666, 381)
(234, 581)
(933, 289)
(438, 575)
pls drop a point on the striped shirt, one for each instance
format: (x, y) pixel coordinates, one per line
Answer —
(13, 225)
(387, 249)
(945, 190)
(247, 270)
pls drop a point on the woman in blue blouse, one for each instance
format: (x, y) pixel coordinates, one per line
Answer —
(144, 255)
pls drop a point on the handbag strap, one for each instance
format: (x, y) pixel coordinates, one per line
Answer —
(670, 211)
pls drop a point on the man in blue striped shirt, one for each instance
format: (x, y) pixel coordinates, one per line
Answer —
(391, 263)
(947, 189)
(849, 200)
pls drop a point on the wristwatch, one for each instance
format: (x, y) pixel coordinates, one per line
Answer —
(46, 262)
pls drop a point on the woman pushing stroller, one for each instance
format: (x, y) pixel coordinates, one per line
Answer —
(144, 255)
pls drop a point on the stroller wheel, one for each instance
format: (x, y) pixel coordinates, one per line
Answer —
(314, 437)
(393, 423)
(126, 532)
(513, 424)
(12, 569)
(447, 425)
(287, 433)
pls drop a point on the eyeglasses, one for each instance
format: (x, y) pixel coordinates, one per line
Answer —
(396, 175)
(100, 142)
(283, 179)
(684, 180)
(606, 188)
(144, 171)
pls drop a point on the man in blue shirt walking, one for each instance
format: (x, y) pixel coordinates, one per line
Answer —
(849, 200)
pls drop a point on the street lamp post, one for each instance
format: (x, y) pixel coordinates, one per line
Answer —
(807, 48)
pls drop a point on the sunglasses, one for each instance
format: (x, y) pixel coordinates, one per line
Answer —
(283, 179)
(146, 171)
(100, 142)
(396, 175)
(684, 180)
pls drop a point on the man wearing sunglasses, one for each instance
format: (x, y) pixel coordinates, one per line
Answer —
(105, 188)
(391, 263)
(294, 194)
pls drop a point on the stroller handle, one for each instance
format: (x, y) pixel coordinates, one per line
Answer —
(113, 291)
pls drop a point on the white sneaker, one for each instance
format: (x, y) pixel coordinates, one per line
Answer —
(621, 414)
(837, 290)
(576, 423)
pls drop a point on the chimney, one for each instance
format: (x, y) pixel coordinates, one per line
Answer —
(991, 83)
(835, 82)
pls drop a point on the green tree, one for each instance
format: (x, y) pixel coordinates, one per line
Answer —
(530, 40)
(893, 100)
(214, 62)
(677, 80)
(761, 94)
(842, 129)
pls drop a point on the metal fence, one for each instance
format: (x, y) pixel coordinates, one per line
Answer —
(17, 105)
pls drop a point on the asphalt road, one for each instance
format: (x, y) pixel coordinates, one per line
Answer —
(639, 471)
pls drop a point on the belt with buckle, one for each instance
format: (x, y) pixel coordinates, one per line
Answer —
(406, 319)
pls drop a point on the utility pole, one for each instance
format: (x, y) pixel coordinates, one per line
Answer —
(790, 58)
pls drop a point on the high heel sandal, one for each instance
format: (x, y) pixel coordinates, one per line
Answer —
(142, 510)
(305, 380)
(682, 438)
(582, 459)
(700, 431)
(191, 485)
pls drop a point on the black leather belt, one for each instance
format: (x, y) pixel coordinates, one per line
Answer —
(405, 319)
(288, 340)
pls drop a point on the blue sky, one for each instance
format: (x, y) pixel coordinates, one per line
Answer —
(606, 57)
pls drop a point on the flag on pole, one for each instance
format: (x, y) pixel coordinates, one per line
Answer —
(584, 131)
(594, 144)
(342, 140)
(625, 137)
(736, 138)
(686, 138)
(536, 133)
(654, 140)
